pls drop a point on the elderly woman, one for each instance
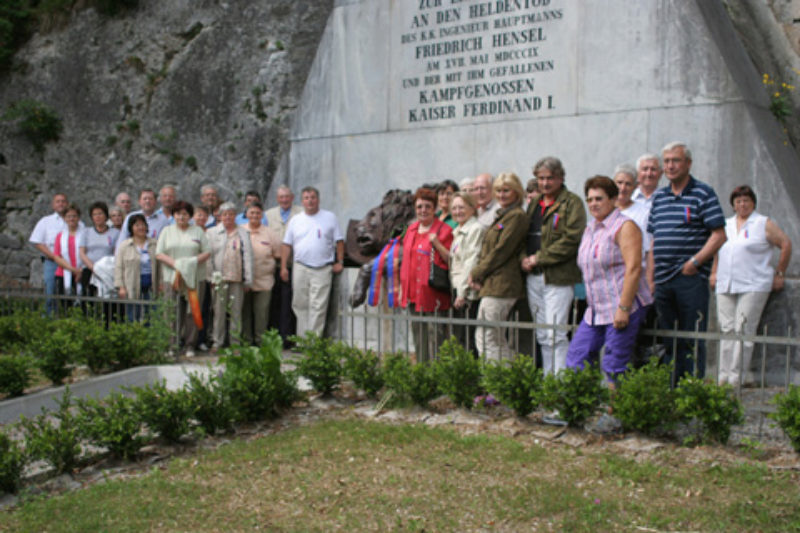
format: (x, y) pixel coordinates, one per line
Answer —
(67, 253)
(266, 248)
(497, 275)
(743, 278)
(232, 263)
(116, 216)
(98, 241)
(427, 239)
(610, 258)
(467, 240)
(183, 251)
(135, 274)
(625, 180)
(444, 195)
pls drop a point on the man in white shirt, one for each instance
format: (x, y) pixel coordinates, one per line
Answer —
(43, 239)
(317, 243)
(484, 197)
(156, 220)
(648, 168)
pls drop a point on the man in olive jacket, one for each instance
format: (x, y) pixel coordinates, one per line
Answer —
(557, 221)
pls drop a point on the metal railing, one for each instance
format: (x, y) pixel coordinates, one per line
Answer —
(390, 330)
(101, 310)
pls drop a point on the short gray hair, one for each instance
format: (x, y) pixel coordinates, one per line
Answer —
(208, 187)
(678, 144)
(228, 206)
(553, 164)
(647, 157)
(625, 169)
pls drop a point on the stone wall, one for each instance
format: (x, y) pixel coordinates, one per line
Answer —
(177, 91)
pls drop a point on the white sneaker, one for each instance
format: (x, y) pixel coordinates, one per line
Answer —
(189, 353)
(202, 347)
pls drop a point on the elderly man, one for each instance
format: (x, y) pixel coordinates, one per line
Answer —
(156, 220)
(557, 221)
(482, 192)
(43, 239)
(166, 197)
(315, 239)
(648, 168)
(281, 314)
(688, 228)
(209, 197)
(123, 201)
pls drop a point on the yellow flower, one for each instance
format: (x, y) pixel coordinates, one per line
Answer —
(777, 95)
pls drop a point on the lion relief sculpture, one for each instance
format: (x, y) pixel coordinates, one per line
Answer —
(367, 238)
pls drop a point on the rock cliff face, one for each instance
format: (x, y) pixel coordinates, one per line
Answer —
(177, 91)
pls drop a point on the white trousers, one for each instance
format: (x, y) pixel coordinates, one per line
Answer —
(550, 305)
(311, 290)
(491, 342)
(738, 312)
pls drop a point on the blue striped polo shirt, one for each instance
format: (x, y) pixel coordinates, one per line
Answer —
(681, 224)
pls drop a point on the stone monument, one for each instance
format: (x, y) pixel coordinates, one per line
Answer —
(409, 91)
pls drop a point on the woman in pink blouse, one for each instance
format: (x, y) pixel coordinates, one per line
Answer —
(67, 253)
(617, 295)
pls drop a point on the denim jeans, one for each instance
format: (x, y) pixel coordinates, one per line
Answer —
(135, 312)
(685, 299)
(49, 272)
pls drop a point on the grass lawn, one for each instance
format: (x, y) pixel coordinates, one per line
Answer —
(354, 475)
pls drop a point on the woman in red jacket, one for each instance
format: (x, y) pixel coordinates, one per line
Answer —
(427, 239)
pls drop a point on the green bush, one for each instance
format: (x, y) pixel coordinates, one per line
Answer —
(320, 362)
(167, 413)
(15, 374)
(138, 343)
(12, 463)
(211, 405)
(57, 443)
(57, 350)
(409, 383)
(516, 383)
(575, 394)
(253, 379)
(114, 423)
(714, 406)
(644, 400)
(787, 414)
(19, 328)
(364, 370)
(36, 121)
(458, 373)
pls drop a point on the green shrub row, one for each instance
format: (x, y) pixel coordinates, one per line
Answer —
(643, 400)
(55, 346)
(251, 387)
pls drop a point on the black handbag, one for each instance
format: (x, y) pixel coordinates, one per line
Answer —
(438, 277)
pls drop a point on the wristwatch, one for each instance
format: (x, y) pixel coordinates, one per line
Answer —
(695, 262)
(626, 308)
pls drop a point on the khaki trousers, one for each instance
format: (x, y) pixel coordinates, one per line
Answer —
(311, 290)
(228, 299)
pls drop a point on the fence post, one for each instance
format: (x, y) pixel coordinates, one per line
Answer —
(788, 359)
(696, 364)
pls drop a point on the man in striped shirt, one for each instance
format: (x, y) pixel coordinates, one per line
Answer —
(688, 228)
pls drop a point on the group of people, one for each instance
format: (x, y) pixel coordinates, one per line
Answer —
(217, 260)
(646, 255)
(477, 247)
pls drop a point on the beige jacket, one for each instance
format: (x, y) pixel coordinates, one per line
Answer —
(275, 222)
(217, 237)
(127, 267)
